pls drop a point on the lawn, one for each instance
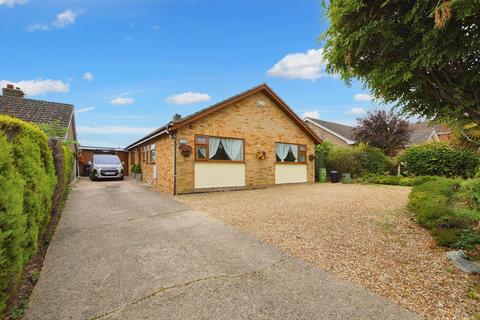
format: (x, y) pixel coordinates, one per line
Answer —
(361, 233)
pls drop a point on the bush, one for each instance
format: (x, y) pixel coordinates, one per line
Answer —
(12, 221)
(471, 190)
(27, 184)
(439, 159)
(435, 207)
(358, 160)
(395, 180)
(136, 168)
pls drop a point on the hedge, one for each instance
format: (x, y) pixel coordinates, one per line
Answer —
(439, 159)
(27, 184)
(358, 160)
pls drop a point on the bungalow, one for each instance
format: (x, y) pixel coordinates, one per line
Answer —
(250, 140)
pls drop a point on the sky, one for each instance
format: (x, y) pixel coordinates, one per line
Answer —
(128, 66)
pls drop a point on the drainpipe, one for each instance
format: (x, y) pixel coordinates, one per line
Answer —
(174, 137)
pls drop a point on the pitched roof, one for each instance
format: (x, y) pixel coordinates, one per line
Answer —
(177, 124)
(421, 132)
(37, 111)
(342, 131)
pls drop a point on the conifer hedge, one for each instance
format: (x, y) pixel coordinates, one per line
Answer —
(27, 184)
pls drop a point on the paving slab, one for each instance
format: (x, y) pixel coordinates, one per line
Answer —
(124, 251)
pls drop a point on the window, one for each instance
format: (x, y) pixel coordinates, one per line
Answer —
(152, 153)
(145, 155)
(218, 149)
(289, 152)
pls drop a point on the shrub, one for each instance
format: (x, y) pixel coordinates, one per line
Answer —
(27, 183)
(12, 220)
(396, 180)
(136, 168)
(439, 159)
(471, 190)
(359, 160)
(435, 203)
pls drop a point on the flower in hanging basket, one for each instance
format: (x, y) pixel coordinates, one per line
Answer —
(311, 157)
(185, 150)
(261, 155)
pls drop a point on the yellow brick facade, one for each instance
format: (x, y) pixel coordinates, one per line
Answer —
(260, 127)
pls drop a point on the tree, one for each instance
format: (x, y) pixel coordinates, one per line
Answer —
(421, 56)
(384, 130)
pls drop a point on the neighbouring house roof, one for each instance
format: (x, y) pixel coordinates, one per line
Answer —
(423, 132)
(339, 130)
(264, 88)
(37, 111)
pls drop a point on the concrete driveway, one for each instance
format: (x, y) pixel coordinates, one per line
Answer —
(123, 251)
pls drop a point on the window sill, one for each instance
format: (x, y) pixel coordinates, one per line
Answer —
(280, 162)
(219, 161)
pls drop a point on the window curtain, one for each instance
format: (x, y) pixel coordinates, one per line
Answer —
(282, 150)
(233, 148)
(213, 144)
(294, 149)
(202, 152)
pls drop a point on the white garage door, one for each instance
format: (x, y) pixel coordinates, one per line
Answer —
(290, 173)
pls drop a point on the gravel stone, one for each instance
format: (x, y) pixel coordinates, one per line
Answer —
(361, 233)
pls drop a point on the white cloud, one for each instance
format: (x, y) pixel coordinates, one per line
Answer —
(62, 20)
(86, 109)
(114, 129)
(311, 114)
(355, 111)
(88, 76)
(307, 66)
(122, 101)
(39, 86)
(188, 98)
(11, 3)
(363, 97)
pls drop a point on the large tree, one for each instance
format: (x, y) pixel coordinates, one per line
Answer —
(422, 56)
(384, 130)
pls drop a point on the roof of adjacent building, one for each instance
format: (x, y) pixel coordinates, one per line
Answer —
(342, 131)
(422, 132)
(37, 111)
(176, 124)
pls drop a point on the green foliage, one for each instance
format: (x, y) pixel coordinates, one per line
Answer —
(358, 160)
(324, 148)
(417, 55)
(471, 190)
(12, 220)
(439, 159)
(437, 208)
(136, 168)
(27, 184)
(393, 180)
(68, 162)
(54, 129)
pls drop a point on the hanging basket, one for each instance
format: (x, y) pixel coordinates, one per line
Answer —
(261, 155)
(185, 150)
(312, 157)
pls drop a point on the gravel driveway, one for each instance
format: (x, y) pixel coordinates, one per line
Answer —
(361, 233)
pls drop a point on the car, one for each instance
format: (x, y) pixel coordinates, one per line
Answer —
(106, 166)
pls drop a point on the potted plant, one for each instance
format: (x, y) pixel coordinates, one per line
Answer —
(185, 150)
(138, 172)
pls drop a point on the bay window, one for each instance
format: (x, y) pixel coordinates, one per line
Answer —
(290, 152)
(209, 148)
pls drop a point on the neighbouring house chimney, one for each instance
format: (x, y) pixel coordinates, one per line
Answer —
(11, 91)
(177, 117)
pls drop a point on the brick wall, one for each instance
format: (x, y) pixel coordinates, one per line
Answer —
(327, 136)
(260, 127)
